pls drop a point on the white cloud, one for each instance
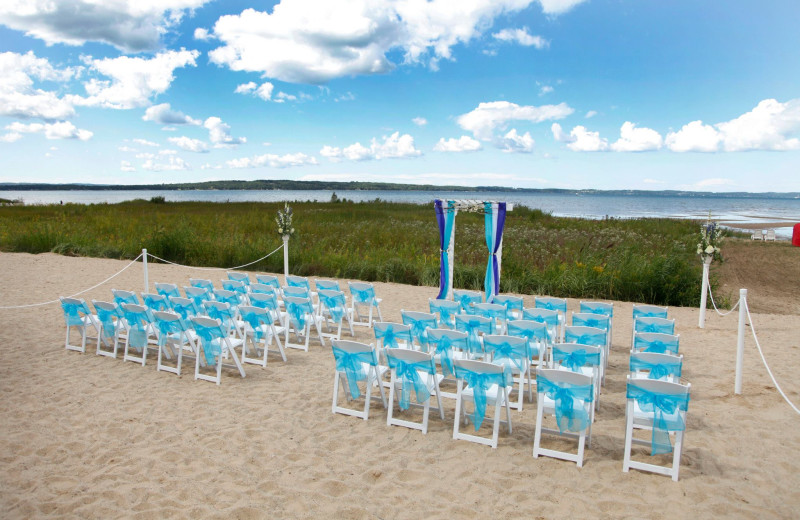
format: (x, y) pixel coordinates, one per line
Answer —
(545, 89)
(189, 144)
(559, 135)
(127, 149)
(513, 142)
(464, 143)
(521, 37)
(310, 41)
(582, 140)
(10, 137)
(283, 96)
(164, 115)
(590, 114)
(59, 130)
(219, 133)
(273, 161)
(174, 163)
(419, 121)
(395, 146)
(766, 127)
(19, 98)
(483, 120)
(126, 166)
(556, 7)
(145, 142)
(201, 34)
(264, 91)
(348, 96)
(129, 25)
(245, 88)
(710, 183)
(632, 139)
(133, 80)
(694, 137)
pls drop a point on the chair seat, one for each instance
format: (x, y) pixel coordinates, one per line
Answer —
(642, 418)
(549, 405)
(492, 394)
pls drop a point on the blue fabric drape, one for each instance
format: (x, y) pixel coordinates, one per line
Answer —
(595, 340)
(536, 335)
(569, 402)
(472, 327)
(211, 341)
(298, 312)
(443, 346)
(445, 217)
(389, 335)
(656, 345)
(666, 417)
(74, 312)
(651, 325)
(419, 328)
(106, 318)
(335, 305)
(481, 382)
(598, 322)
(255, 320)
(137, 326)
(494, 222)
(408, 374)
(466, 300)
(660, 370)
(575, 359)
(352, 364)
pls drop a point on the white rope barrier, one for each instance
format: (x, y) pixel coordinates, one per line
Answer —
(76, 294)
(715, 304)
(764, 360)
(216, 268)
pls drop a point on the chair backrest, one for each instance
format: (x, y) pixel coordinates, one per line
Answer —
(466, 299)
(167, 289)
(74, 309)
(269, 279)
(355, 347)
(185, 307)
(198, 295)
(296, 291)
(513, 304)
(585, 335)
(649, 311)
(478, 367)
(298, 281)
(546, 316)
(421, 360)
(770, 235)
(656, 342)
(588, 319)
(334, 302)
(508, 349)
(221, 311)
(236, 286)
(202, 283)
(660, 325)
(567, 388)
(656, 366)
(474, 326)
(255, 317)
(363, 293)
(491, 310)
(239, 277)
(446, 311)
(551, 303)
(574, 356)
(138, 317)
(328, 285)
(390, 333)
(263, 288)
(419, 322)
(264, 300)
(168, 323)
(155, 302)
(232, 298)
(667, 401)
(563, 378)
(534, 331)
(121, 297)
(604, 308)
(106, 312)
(298, 307)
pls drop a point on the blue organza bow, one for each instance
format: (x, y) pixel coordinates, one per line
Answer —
(465, 300)
(298, 282)
(472, 327)
(548, 305)
(165, 328)
(517, 354)
(363, 295)
(106, 318)
(390, 336)
(211, 339)
(335, 305)
(443, 346)
(225, 316)
(297, 313)
(73, 311)
(419, 328)
(665, 419)
(659, 370)
(657, 346)
(592, 322)
(480, 383)
(586, 339)
(535, 336)
(137, 332)
(409, 375)
(576, 359)
(654, 327)
(154, 303)
(255, 320)
(352, 364)
(569, 399)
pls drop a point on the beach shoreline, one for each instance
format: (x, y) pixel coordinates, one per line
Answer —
(86, 436)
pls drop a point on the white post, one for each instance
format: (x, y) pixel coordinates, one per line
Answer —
(740, 340)
(285, 256)
(144, 265)
(704, 296)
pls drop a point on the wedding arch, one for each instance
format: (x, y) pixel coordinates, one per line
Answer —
(494, 223)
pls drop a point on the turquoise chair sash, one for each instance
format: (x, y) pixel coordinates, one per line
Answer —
(352, 364)
(657, 346)
(255, 320)
(480, 383)
(408, 373)
(366, 295)
(137, 326)
(389, 335)
(569, 399)
(638, 313)
(536, 336)
(660, 328)
(329, 285)
(224, 315)
(551, 306)
(419, 328)
(575, 359)
(661, 406)
(130, 298)
(443, 345)
(74, 312)
(466, 299)
(106, 318)
(597, 308)
(211, 340)
(519, 354)
(335, 305)
(167, 327)
(660, 370)
(601, 322)
(446, 314)
(472, 327)
(596, 339)
(298, 282)
(166, 293)
(185, 312)
(155, 304)
(297, 313)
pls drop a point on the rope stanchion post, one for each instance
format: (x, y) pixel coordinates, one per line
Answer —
(740, 340)
(285, 255)
(704, 294)
(144, 266)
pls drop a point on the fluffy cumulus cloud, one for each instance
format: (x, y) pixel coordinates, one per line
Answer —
(145, 142)
(632, 139)
(419, 121)
(521, 37)
(263, 91)
(219, 133)
(126, 166)
(314, 41)
(580, 139)
(173, 163)
(163, 114)
(19, 95)
(513, 142)
(133, 81)
(483, 120)
(129, 25)
(189, 144)
(273, 161)
(394, 146)
(59, 130)
(694, 137)
(464, 143)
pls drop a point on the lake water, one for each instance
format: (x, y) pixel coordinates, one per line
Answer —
(748, 210)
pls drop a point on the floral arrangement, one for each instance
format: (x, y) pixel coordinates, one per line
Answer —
(710, 239)
(284, 220)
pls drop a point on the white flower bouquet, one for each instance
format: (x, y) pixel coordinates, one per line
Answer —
(284, 221)
(710, 240)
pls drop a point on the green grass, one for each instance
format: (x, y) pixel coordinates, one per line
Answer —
(642, 260)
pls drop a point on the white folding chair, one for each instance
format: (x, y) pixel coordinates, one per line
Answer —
(568, 396)
(301, 316)
(112, 326)
(514, 304)
(356, 362)
(466, 299)
(651, 365)
(417, 371)
(513, 353)
(447, 345)
(139, 324)
(493, 311)
(215, 343)
(656, 342)
(334, 311)
(419, 322)
(554, 304)
(484, 384)
(174, 336)
(445, 311)
(78, 315)
(259, 327)
(363, 295)
(658, 407)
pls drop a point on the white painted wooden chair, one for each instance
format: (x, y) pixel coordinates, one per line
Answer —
(484, 384)
(417, 371)
(356, 363)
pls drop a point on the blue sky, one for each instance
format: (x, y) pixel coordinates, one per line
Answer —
(614, 94)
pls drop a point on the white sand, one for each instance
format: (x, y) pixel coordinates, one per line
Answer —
(85, 436)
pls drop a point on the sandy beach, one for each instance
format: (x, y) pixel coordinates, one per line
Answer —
(85, 436)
